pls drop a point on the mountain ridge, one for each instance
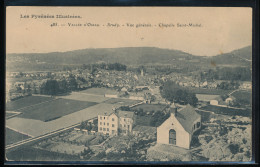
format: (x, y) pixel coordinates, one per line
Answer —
(132, 56)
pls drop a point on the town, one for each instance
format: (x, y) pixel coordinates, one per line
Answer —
(121, 112)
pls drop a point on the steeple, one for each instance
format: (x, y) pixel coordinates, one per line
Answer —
(173, 109)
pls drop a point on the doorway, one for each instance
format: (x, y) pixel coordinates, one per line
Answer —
(172, 137)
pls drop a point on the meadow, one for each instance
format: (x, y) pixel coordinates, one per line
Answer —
(26, 102)
(54, 109)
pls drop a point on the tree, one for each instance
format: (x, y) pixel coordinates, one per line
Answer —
(192, 99)
(51, 87)
(63, 85)
(174, 93)
(72, 83)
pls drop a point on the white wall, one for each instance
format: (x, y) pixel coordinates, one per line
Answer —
(108, 119)
(213, 102)
(115, 122)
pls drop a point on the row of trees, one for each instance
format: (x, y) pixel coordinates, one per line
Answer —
(54, 87)
(228, 85)
(107, 66)
(227, 73)
(174, 93)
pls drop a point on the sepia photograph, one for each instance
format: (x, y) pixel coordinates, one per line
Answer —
(128, 84)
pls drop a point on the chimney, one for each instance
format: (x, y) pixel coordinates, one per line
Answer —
(175, 111)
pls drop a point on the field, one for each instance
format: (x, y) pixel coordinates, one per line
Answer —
(227, 111)
(85, 97)
(99, 91)
(54, 109)
(13, 136)
(209, 91)
(149, 107)
(122, 101)
(25, 102)
(144, 120)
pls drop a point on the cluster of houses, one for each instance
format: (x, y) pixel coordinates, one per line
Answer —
(216, 100)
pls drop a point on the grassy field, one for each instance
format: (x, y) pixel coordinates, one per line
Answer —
(99, 91)
(25, 102)
(143, 120)
(54, 109)
(85, 97)
(13, 136)
(209, 91)
(125, 102)
(34, 154)
(149, 107)
(227, 111)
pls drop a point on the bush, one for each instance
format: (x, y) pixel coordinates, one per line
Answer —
(234, 148)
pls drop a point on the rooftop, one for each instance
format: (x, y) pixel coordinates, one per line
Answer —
(125, 114)
(186, 116)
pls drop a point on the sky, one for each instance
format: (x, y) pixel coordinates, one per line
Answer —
(222, 30)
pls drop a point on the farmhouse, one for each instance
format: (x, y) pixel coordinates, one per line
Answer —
(206, 97)
(217, 101)
(117, 122)
(179, 127)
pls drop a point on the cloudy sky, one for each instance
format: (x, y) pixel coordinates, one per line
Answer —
(222, 29)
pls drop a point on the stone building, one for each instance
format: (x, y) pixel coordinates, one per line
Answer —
(118, 122)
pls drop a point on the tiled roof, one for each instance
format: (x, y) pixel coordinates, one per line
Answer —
(186, 116)
(125, 114)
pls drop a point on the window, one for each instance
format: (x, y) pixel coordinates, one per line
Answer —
(104, 129)
(100, 118)
(100, 123)
(104, 123)
(113, 119)
(104, 117)
(107, 124)
(100, 129)
(128, 127)
(107, 129)
(113, 131)
(120, 125)
(113, 125)
(124, 119)
(124, 125)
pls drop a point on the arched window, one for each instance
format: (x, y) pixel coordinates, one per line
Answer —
(172, 137)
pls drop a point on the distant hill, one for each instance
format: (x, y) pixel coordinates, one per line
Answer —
(125, 55)
(242, 57)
